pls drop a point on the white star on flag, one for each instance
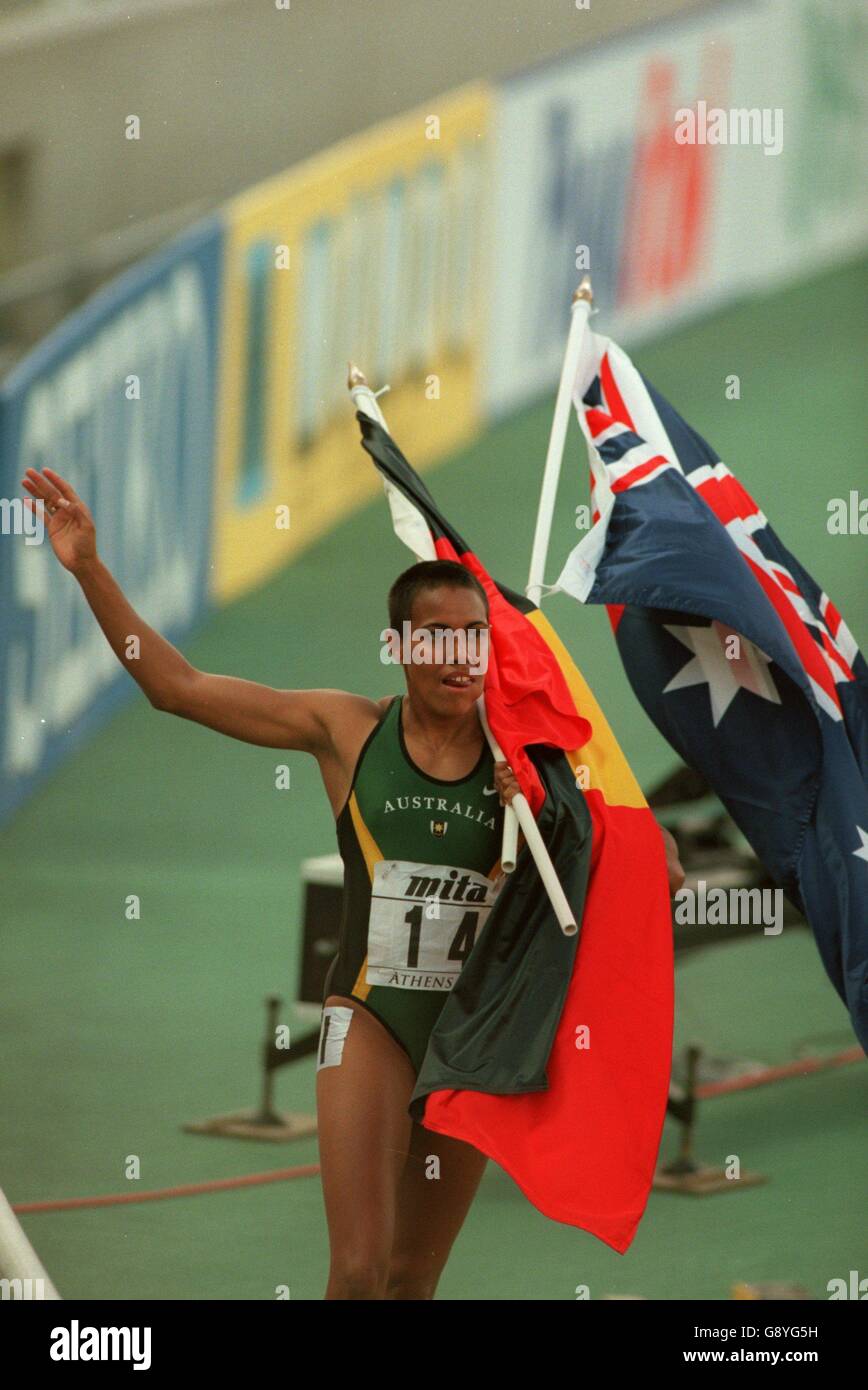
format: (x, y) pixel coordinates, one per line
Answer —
(862, 851)
(724, 675)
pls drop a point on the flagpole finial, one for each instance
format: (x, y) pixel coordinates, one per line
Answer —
(355, 376)
(584, 291)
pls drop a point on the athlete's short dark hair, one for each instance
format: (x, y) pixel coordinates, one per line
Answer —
(428, 574)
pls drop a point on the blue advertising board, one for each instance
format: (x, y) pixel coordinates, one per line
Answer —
(120, 400)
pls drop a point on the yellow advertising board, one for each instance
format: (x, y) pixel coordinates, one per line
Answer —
(373, 250)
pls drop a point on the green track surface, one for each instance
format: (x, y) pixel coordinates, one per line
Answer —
(115, 1033)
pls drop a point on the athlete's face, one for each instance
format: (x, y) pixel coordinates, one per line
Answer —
(449, 683)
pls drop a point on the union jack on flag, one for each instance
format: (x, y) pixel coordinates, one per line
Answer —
(734, 651)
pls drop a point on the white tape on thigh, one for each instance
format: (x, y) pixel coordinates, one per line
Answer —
(333, 1034)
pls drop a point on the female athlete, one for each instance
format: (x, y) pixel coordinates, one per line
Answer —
(417, 801)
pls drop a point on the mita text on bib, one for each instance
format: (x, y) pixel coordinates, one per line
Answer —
(424, 921)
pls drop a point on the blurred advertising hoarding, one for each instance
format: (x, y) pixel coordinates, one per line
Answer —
(589, 174)
(120, 400)
(373, 250)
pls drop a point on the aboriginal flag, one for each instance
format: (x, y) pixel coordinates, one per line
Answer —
(552, 1054)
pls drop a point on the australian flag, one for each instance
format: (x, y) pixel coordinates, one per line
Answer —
(734, 651)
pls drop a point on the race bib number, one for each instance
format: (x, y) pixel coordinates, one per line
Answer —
(424, 921)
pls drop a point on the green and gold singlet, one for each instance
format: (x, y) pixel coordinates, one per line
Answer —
(420, 856)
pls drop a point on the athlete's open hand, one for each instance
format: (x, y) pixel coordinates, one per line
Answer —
(69, 524)
(506, 782)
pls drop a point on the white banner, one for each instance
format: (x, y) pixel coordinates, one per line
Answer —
(684, 165)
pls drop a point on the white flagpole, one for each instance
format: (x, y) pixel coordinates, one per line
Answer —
(582, 303)
(363, 397)
(536, 843)
(509, 847)
(18, 1259)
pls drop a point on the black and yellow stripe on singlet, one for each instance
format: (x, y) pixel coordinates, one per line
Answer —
(397, 812)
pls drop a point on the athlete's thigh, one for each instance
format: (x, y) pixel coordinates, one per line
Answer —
(433, 1200)
(364, 1134)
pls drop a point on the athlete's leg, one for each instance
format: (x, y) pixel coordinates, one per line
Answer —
(364, 1133)
(433, 1200)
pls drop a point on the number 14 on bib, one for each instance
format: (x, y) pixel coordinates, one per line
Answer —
(424, 921)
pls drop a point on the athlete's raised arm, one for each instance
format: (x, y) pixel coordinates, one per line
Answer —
(243, 709)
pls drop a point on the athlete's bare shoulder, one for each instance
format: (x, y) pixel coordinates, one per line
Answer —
(340, 709)
(349, 721)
